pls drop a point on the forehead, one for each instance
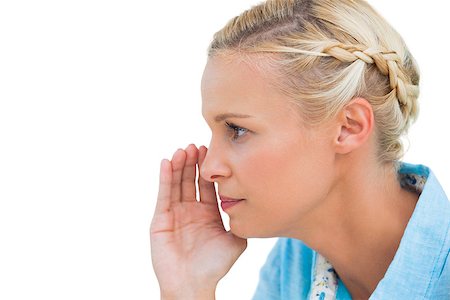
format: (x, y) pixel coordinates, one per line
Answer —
(237, 85)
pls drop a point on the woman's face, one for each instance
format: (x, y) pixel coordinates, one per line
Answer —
(262, 154)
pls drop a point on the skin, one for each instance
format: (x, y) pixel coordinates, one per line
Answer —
(322, 185)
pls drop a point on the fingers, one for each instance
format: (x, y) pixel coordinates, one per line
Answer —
(188, 193)
(165, 185)
(183, 167)
(206, 188)
(178, 163)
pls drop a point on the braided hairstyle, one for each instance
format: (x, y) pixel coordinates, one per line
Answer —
(324, 53)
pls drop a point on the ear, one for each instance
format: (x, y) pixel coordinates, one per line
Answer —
(356, 122)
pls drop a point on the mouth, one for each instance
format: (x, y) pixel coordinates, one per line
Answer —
(227, 202)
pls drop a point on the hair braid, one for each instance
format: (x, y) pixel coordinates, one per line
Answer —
(387, 62)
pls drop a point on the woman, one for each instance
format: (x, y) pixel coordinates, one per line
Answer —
(307, 102)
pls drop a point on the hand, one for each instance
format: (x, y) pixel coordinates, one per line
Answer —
(191, 250)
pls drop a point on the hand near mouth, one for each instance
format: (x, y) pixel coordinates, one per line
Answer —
(191, 250)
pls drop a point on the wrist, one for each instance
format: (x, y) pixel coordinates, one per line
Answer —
(204, 293)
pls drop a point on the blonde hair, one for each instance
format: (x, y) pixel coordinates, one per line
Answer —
(326, 53)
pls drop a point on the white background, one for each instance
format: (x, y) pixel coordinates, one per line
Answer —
(93, 94)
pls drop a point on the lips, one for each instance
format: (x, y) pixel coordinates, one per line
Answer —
(228, 202)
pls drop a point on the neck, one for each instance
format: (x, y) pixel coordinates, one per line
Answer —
(362, 221)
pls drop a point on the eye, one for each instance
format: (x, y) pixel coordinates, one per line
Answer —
(236, 131)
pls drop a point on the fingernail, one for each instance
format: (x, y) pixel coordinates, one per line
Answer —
(163, 161)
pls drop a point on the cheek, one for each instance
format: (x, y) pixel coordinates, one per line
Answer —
(285, 176)
(284, 181)
(259, 167)
(273, 164)
(266, 179)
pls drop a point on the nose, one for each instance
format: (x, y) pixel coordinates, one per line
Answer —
(215, 167)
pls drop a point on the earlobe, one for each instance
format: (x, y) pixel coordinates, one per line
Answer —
(355, 125)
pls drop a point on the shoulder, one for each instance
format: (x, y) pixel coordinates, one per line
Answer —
(287, 271)
(290, 256)
(289, 251)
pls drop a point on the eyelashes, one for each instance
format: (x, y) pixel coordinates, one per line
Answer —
(236, 131)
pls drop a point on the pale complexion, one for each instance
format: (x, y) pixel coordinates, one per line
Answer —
(323, 186)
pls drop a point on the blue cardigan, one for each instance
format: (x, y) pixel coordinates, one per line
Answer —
(420, 268)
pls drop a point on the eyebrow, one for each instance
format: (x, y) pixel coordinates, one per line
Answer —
(222, 117)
